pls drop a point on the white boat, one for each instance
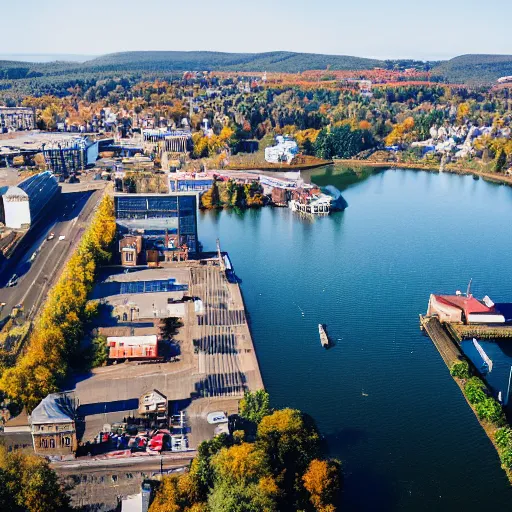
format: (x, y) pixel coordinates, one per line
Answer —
(324, 340)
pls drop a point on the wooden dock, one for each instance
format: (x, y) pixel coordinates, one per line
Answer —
(482, 331)
(446, 346)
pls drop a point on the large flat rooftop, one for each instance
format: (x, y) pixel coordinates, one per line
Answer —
(33, 140)
(216, 361)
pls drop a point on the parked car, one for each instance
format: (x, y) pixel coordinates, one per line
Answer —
(216, 417)
(62, 237)
(51, 236)
(13, 281)
(159, 442)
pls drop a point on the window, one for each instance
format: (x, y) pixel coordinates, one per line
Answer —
(128, 256)
(52, 443)
(67, 441)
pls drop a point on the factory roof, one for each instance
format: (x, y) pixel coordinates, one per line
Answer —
(133, 341)
(467, 304)
(34, 140)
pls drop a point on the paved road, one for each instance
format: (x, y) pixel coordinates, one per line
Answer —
(69, 217)
(141, 463)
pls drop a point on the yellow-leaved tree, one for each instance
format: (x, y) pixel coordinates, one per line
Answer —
(59, 328)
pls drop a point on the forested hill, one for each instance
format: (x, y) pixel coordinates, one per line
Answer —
(475, 68)
(56, 77)
(272, 61)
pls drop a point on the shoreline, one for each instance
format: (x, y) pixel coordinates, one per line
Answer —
(452, 335)
(494, 177)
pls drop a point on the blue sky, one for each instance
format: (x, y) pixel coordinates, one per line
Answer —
(435, 29)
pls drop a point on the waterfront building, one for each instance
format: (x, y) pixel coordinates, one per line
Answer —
(310, 201)
(284, 151)
(53, 426)
(17, 118)
(155, 216)
(187, 182)
(465, 309)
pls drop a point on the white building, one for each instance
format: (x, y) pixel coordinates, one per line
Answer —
(14, 208)
(284, 151)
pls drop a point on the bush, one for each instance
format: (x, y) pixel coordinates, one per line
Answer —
(460, 370)
(506, 458)
(169, 327)
(490, 410)
(255, 406)
(474, 390)
(99, 351)
(504, 437)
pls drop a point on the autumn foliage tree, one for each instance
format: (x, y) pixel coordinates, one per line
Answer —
(60, 326)
(402, 132)
(322, 481)
(28, 484)
(277, 470)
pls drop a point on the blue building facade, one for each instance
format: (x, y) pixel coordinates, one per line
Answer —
(168, 217)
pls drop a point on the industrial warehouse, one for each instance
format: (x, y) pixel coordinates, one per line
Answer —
(464, 309)
(22, 204)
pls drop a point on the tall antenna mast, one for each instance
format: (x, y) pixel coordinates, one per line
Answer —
(469, 288)
(219, 256)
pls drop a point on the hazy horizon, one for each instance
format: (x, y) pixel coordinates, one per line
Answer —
(395, 29)
(70, 57)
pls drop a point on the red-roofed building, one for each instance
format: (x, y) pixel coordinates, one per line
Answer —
(464, 309)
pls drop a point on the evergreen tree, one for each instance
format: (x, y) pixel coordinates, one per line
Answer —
(501, 161)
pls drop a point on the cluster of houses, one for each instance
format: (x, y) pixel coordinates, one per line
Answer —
(456, 142)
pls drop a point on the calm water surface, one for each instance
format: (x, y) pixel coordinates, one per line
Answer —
(367, 272)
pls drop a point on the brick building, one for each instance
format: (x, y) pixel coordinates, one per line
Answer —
(53, 426)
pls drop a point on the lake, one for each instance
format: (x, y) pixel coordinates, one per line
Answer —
(382, 397)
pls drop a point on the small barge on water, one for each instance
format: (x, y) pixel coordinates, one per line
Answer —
(324, 339)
